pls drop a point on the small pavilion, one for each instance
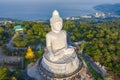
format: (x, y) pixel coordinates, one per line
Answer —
(18, 28)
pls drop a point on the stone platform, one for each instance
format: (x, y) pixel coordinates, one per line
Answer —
(65, 65)
(50, 76)
(38, 72)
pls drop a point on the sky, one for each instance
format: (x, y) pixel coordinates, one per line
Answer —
(60, 1)
(42, 8)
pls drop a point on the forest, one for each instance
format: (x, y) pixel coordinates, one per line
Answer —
(102, 38)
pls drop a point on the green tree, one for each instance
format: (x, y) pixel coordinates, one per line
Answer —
(1, 30)
(4, 73)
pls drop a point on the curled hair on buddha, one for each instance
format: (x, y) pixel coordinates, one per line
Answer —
(55, 18)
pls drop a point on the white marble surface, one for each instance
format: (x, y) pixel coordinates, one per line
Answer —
(59, 57)
(63, 66)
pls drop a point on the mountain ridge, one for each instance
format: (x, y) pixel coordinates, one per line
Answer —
(109, 8)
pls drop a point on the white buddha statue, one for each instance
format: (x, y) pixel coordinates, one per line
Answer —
(59, 57)
(56, 40)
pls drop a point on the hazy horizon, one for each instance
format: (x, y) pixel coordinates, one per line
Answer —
(64, 1)
(38, 9)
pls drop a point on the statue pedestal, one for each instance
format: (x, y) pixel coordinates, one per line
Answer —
(65, 65)
(39, 72)
(48, 75)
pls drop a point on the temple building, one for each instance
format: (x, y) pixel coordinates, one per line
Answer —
(18, 28)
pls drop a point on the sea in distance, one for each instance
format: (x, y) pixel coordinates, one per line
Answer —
(43, 11)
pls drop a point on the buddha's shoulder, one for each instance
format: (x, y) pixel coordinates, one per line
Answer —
(49, 34)
(52, 33)
(63, 31)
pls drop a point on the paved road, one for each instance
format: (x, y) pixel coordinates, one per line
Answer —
(16, 34)
(93, 65)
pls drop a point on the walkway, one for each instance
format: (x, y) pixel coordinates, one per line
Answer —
(94, 66)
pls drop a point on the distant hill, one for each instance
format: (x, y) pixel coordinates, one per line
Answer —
(8, 19)
(109, 8)
(4, 19)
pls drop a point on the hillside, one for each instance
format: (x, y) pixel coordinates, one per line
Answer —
(109, 8)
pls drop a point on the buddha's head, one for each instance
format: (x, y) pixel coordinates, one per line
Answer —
(56, 22)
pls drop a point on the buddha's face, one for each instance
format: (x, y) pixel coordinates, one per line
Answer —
(56, 27)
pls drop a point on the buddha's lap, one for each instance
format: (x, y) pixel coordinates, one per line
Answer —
(63, 59)
(69, 51)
